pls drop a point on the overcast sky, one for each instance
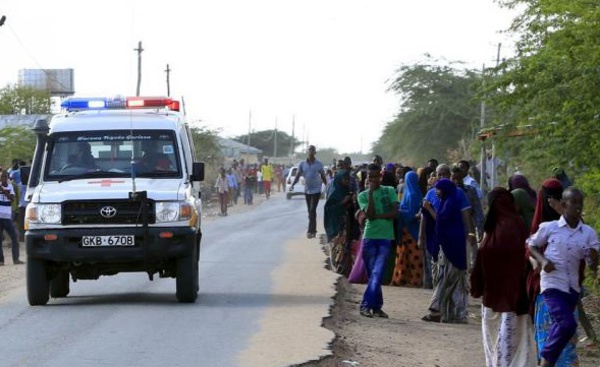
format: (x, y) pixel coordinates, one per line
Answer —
(326, 62)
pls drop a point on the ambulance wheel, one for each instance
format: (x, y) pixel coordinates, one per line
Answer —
(186, 281)
(38, 286)
(59, 286)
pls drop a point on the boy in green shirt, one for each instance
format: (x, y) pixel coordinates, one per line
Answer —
(380, 204)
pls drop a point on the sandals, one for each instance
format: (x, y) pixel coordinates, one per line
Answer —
(432, 318)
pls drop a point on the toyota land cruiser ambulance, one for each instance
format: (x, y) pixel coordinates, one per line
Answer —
(114, 187)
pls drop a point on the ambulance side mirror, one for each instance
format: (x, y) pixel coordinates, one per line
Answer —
(197, 171)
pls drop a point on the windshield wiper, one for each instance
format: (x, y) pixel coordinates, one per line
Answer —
(94, 174)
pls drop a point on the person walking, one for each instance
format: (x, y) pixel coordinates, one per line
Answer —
(452, 224)
(567, 241)
(408, 270)
(233, 187)
(547, 209)
(314, 177)
(7, 195)
(476, 211)
(380, 205)
(267, 175)
(222, 189)
(499, 278)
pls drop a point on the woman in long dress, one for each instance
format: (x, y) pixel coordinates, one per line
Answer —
(408, 270)
(499, 277)
(450, 294)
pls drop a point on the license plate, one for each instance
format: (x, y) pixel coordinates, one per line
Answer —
(99, 241)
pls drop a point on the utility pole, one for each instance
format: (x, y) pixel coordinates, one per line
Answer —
(168, 71)
(275, 140)
(483, 183)
(249, 125)
(493, 144)
(292, 140)
(139, 51)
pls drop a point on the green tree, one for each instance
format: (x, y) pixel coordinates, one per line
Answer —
(16, 142)
(206, 145)
(208, 151)
(265, 141)
(551, 84)
(438, 110)
(15, 100)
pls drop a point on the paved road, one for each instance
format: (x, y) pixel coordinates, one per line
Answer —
(263, 294)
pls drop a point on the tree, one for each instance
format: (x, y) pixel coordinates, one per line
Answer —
(15, 100)
(206, 145)
(16, 142)
(551, 83)
(438, 109)
(265, 141)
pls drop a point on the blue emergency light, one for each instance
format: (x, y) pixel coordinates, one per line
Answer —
(103, 103)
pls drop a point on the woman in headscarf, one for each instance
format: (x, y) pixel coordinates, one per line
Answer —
(525, 208)
(450, 295)
(408, 268)
(499, 277)
(546, 210)
(518, 181)
(338, 196)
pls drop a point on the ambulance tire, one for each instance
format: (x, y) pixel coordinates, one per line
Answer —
(38, 286)
(59, 286)
(186, 281)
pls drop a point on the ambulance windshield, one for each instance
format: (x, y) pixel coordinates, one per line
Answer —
(83, 154)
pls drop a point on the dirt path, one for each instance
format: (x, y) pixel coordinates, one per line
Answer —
(404, 340)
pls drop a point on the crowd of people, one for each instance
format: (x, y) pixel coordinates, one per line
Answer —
(246, 180)
(426, 227)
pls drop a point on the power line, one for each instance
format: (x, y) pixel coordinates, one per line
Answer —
(30, 55)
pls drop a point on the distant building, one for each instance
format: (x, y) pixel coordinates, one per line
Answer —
(21, 120)
(57, 82)
(232, 149)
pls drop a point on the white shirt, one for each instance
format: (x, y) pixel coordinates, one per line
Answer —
(6, 203)
(566, 248)
(468, 180)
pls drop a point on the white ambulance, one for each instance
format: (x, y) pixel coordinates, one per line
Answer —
(114, 187)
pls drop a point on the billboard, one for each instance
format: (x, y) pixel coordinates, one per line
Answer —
(57, 82)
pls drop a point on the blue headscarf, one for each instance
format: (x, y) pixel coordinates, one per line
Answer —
(410, 205)
(449, 225)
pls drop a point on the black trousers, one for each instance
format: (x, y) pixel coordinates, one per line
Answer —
(312, 201)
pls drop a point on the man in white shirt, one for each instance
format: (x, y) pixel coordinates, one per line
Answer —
(568, 242)
(467, 179)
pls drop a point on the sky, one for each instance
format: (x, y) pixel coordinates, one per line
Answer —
(317, 69)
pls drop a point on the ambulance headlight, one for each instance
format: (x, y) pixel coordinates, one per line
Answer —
(44, 213)
(172, 211)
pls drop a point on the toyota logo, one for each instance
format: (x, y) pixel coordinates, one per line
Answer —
(108, 212)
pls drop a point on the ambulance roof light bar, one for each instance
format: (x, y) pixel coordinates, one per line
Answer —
(103, 103)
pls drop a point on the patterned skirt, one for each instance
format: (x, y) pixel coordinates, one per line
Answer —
(408, 270)
(507, 339)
